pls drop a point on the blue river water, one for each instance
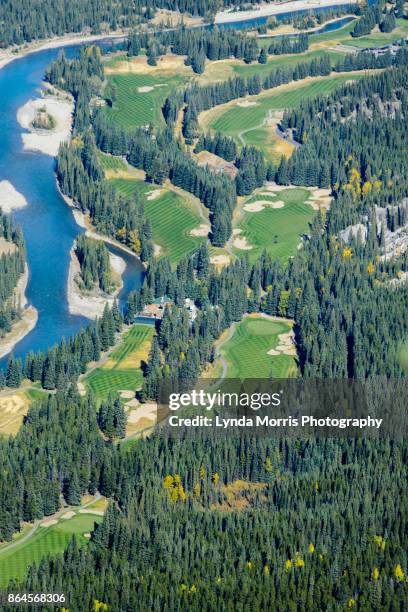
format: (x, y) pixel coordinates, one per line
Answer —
(47, 222)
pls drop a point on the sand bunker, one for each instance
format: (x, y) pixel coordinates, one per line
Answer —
(242, 244)
(145, 89)
(157, 249)
(285, 345)
(10, 198)
(256, 206)
(68, 515)
(201, 230)
(127, 394)
(275, 187)
(87, 535)
(90, 511)
(277, 204)
(49, 523)
(46, 141)
(246, 103)
(143, 411)
(220, 260)
(153, 195)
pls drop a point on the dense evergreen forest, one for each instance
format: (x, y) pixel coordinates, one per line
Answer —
(24, 21)
(200, 44)
(174, 538)
(12, 263)
(93, 257)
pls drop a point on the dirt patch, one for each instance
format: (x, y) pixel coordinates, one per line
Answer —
(7, 247)
(202, 230)
(220, 260)
(174, 18)
(139, 65)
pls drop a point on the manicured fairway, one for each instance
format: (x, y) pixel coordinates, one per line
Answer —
(278, 230)
(172, 218)
(234, 119)
(122, 371)
(246, 353)
(45, 541)
(136, 104)
(111, 163)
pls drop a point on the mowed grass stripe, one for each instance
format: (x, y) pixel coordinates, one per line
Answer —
(246, 353)
(172, 218)
(238, 118)
(278, 230)
(133, 108)
(45, 541)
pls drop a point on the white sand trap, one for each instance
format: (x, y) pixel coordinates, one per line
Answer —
(201, 230)
(273, 352)
(267, 193)
(68, 515)
(145, 89)
(125, 394)
(157, 249)
(220, 260)
(87, 535)
(277, 204)
(246, 103)
(49, 523)
(153, 195)
(236, 231)
(321, 193)
(144, 411)
(134, 403)
(10, 198)
(90, 511)
(242, 244)
(256, 206)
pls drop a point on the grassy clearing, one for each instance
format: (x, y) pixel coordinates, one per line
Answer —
(139, 98)
(278, 230)
(172, 218)
(122, 371)
(378, 39)
(223, 69)
(232, 119)
(246, 353)
(45, 541)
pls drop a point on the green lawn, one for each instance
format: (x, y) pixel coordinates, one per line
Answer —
(237, 118)
(45, 541)
(172, 218)
(122, 371)
(378, 39)
(278, 230)
(112, 163)
(246, 353)
(133, 107)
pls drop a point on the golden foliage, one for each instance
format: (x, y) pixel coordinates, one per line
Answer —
(370, 268)
(311, 548)
(398, 572)
(376, 573)
(347, 252)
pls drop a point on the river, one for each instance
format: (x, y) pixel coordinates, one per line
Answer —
(47, 222)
